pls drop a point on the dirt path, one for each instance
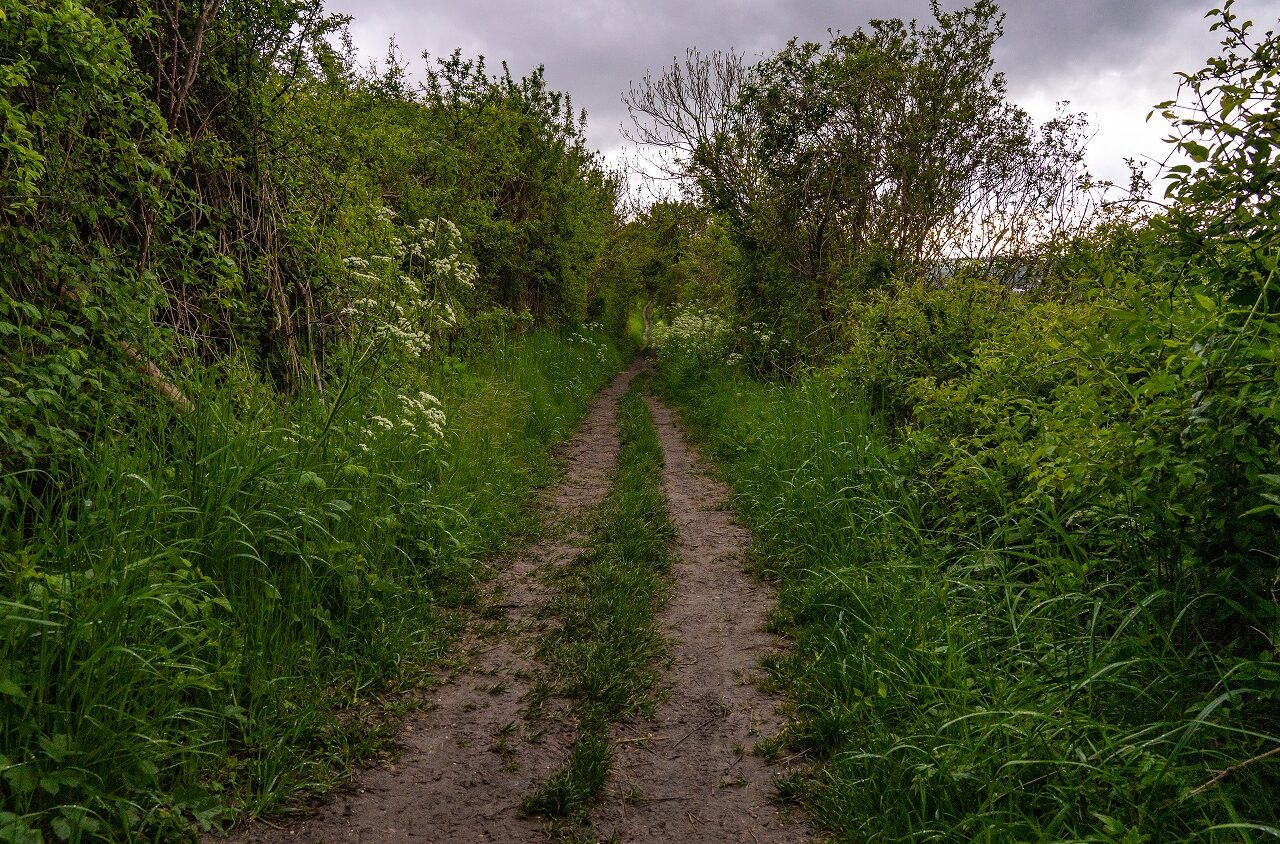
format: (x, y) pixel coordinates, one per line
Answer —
(686, 776)
(689, 775)
(466, 764)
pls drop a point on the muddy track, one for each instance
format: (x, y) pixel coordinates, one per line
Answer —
(688, 775)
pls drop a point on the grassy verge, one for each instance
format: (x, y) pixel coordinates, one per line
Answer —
(963, 687)
(603, 647)
(192, 633)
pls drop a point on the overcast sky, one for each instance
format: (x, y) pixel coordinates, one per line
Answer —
(1112, 59)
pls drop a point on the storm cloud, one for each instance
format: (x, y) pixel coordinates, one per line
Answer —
(1112, 59)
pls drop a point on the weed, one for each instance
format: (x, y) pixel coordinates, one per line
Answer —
(567, 793)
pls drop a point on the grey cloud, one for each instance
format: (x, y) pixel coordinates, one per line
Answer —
(594, 48)
(1048, 37)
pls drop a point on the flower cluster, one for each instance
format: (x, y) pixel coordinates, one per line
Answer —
(764, 350)
(439, 244)
(406, 292)
(420, 415)
(395, 322)
(599, 346)
(695, 335)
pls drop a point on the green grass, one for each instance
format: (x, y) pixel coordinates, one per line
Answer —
(962, 687)
(635, 328)
(603, 647)
(182, 630)
(571, 790)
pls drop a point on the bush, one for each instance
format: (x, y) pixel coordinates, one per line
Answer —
(694, 339)
(913, 330)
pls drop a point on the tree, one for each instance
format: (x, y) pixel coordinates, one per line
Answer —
(882, 152)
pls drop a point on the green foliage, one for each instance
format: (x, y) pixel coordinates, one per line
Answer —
(505, 160)
(1026, 532)
(1224, 123)
(179, 634)
(189, 596)
(693, 340)
(996, 680)
(889, 151)
(671, 253)
(872, 140)
(77, 243)
(239, 159)
(226, 77)
(1146, 400)
(569, 793)
(231, 501)
(910, 330)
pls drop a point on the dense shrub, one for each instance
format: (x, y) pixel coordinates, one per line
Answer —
(910, 330)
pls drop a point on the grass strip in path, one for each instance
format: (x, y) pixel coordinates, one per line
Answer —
(602, 648)
(688, 772)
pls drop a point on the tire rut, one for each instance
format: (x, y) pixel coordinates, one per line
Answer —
(689, 774)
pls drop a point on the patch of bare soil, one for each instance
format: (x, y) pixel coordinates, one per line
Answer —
(466, 763)
(689, 774)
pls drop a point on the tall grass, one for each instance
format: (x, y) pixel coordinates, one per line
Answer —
(966, 687)
(181, 632)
